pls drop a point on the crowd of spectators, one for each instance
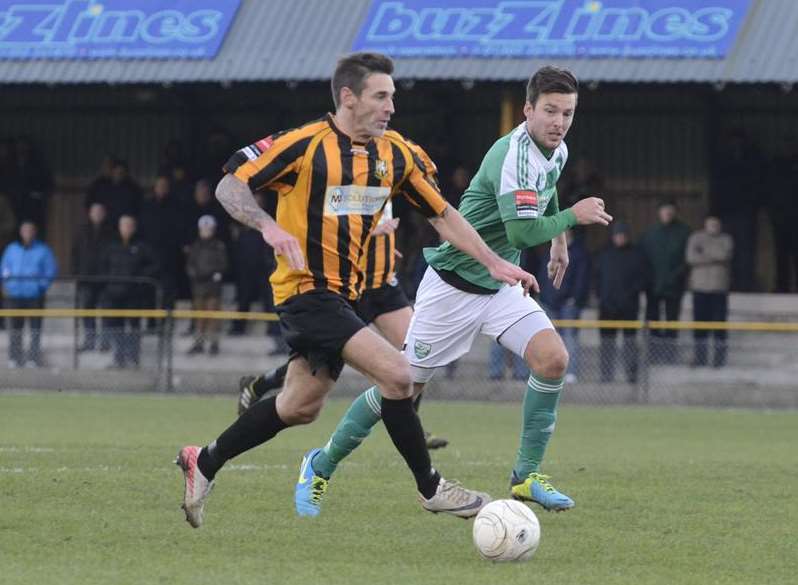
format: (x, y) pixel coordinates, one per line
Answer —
(173, 232)
(176, 233)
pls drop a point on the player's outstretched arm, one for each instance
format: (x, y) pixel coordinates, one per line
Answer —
(590, 210)
(526, 233)
(237, 199)
(451, 226)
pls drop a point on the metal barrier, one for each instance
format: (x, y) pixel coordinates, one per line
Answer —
(756, 364)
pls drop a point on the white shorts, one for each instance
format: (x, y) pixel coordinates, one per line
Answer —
(446, 321)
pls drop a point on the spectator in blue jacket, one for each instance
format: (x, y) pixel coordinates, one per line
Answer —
(28, 268)
(568, 301)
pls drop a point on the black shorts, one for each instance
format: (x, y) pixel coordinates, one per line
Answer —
(317, 325)
(379, 301)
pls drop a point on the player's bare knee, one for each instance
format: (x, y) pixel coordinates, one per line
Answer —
(304, 414)
(549, 360)
(551, 363)
(557, 364)
(397, 384)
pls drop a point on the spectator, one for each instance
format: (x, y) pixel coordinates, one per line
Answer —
(28, 268)
(33, 185)
(783, 213)
(158, 220)
(126, 258)
(709, 254)
(664, 245)
(203, 203)
(182, 186)
(623, 274)
(102, 182)
(254, 263)
(122, 196)
(737, 193)
(568, 301)
(207, 262)
(87, 250)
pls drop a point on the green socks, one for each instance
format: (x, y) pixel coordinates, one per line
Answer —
(540, 415)
(363, 414)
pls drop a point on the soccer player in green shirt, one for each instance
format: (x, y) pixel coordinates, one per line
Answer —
(512, 203)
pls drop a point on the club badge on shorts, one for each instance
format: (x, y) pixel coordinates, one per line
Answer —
(421, 349)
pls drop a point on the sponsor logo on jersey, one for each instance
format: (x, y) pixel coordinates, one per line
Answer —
(526, 203)
(354, 199)
(421, 349)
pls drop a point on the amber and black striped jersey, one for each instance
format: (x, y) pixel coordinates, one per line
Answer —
(379, 261)
(331, 193)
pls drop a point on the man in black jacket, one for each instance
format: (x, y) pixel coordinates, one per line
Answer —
(87, 250)
(128, 257)
(158, 226)
(623, 273)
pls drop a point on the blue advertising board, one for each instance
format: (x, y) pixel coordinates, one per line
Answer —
(114, 29)
(552, 28)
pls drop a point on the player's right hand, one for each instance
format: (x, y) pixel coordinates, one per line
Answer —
(284, 244)
(512, 274)
(591, 210)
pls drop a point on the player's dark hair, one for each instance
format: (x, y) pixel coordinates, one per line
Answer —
(550, 79)
(353, 70)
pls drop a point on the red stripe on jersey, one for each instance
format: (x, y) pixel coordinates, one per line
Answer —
(264, 143)
(526, 198)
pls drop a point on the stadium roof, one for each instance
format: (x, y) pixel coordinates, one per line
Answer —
(300, 40)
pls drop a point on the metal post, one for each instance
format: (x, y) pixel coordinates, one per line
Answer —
(76, 329)
(169, 327)
(643, 379)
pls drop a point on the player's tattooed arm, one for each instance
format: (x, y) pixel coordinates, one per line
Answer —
(237, 199)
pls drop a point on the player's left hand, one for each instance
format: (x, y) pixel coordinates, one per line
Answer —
(558, 264)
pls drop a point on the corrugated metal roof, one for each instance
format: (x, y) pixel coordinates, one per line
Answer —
(301, 39)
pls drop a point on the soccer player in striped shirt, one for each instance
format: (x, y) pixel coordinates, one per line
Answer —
(333, 178)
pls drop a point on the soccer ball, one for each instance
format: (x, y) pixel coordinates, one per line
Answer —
(506, 530)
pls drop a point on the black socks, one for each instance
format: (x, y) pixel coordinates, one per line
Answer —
(256, 426)
(405, 430)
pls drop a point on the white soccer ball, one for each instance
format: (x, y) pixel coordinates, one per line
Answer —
(506, 530)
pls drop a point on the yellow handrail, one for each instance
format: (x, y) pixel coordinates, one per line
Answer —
(255, 316)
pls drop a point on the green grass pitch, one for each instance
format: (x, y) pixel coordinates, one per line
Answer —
(88, 495)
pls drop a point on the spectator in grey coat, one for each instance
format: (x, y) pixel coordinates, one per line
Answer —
(206, 265)
(709, 254)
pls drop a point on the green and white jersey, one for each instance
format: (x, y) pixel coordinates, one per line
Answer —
(514, 182)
